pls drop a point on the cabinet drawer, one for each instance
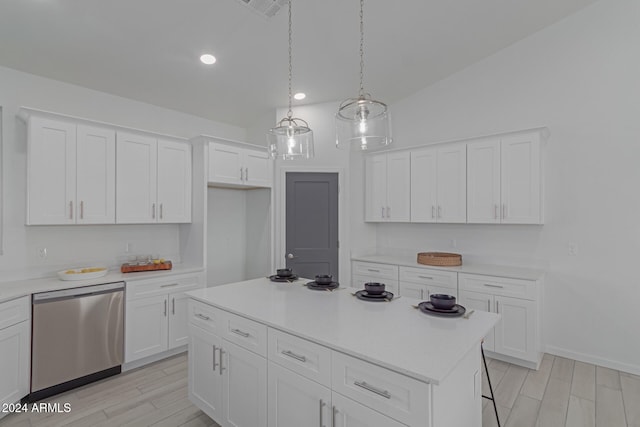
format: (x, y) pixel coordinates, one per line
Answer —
(14, 311)
(425, 276)
(380, 271)
(517, 288)
(245, 333)
(359, 281)
(301, 356)
(205, 316)
(393, 394)
(164, 285)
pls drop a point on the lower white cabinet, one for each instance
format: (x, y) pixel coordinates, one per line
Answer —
(517, 334)
(156, 315)
(205, 377)
(420, 283)
(349, 413)
(365, 272)
(15, 342)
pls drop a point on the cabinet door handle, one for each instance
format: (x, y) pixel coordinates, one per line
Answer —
(165, 308)
(71, 210)
(504, 211)
(322, 405)
(170, 285)
(372, 389)
(215, 364)
(173, 306)
(495, 211)
(382, 211)
(292, 355)
(426, 277)
(439, 211)
(433, 211)
(372, 270)
(241, 333)
(221, 360)
(493, 286)
(334, 412)
(203, 317)
(153, 211)
(161, 215)
(489, 305)
(421, 293)
(497, 306)
(81, 209)
(241, 175)
(246, 174)
(388, 212)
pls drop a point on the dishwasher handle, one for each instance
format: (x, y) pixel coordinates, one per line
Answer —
(80, 292)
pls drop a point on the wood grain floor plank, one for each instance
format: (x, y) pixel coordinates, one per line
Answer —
(581, 412)
(583, 384)
(128, 416)
(201, 421)
(553, 410)
(180, 417)
(562, 369)
(536, 381)
(489, 415)
(178, 394)
(608, 377)
(631, 399)
(158, 415)
(510, 385)
(609, 408)
(157, 393)
(524, 412)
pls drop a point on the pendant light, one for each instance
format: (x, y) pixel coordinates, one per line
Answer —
(362, 123)
(291, 138)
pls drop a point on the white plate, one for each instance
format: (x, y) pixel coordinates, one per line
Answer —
(78, 275)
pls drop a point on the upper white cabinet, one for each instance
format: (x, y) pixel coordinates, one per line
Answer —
(239, 165)
(388, 184)
(504, 181)
(70, 173)
(438, 184)
(153, 179)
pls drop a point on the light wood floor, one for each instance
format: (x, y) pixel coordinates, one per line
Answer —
(562, 393)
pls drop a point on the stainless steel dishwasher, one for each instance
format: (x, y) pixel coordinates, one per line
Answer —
(77, 338)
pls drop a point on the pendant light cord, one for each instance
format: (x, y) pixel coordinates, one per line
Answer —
(361, 48)
(290, 113)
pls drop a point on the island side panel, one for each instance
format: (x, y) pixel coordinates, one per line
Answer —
(457, 401)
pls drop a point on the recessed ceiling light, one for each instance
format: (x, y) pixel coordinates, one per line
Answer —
(208, 59)
(300, 96)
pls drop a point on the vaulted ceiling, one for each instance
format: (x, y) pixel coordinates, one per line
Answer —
(148, 50)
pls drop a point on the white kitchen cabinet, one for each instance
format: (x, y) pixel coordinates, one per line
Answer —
(15, 346)
(422, 282)
(365, 272)
(153, 180)
(387, 187)
(157, 315)
(504, 180)
(517, 334)
(349, 413)
(239, 165)
(70, 173)
(174, 182)
(438, 184)
(205, 379)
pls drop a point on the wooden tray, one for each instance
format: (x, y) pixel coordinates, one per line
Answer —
(441, 259)
(133, 268)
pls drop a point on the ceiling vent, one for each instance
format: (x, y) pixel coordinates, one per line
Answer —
(266, 8)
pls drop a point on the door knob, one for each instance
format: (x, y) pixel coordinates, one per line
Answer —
(290, 256)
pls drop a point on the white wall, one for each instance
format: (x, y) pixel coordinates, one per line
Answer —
(354, 233)
(579, 77)
(70, 246)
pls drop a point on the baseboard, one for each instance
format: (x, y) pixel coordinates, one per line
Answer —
(513, 360)
(587, 358)
(150, 359)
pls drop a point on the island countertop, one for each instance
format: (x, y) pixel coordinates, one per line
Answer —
(391, 334)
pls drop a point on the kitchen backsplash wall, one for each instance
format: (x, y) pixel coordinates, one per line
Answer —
(69, 246)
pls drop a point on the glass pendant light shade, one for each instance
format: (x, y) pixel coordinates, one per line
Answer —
(291, 140)
(363, 124)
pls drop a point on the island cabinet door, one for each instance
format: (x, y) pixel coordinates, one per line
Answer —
(349, 413)
(296, 401)
(244, 387)
(205, 376)
(515, 333)
(480, 302)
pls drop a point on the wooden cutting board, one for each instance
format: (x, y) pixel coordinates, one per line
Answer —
(133, 268)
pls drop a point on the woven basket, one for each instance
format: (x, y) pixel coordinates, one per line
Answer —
(442, 259)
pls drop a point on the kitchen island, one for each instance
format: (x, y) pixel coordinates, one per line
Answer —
(279, 354)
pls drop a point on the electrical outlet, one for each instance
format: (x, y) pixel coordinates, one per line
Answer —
(42, 253)
(572, 249)
(127, 247)
(453, 243)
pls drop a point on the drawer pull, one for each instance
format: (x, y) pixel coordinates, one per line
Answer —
(426, 277)
(372, 270)
(168, 286)
(372, 389)
(292, 355)
(493, 286)
(202, 316)
(215, 364)
(322, 405)
(241, 333)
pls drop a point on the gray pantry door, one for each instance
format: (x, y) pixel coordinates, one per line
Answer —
(312, 223)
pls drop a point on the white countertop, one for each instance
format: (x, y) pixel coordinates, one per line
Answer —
(472, 268)
(390, 334)
(19, 288)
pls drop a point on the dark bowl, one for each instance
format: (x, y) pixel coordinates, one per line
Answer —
(284, 272)
(443, 301)
(374, 288)
(324, 279)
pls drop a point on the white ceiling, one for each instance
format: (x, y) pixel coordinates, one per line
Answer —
(148, 49)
